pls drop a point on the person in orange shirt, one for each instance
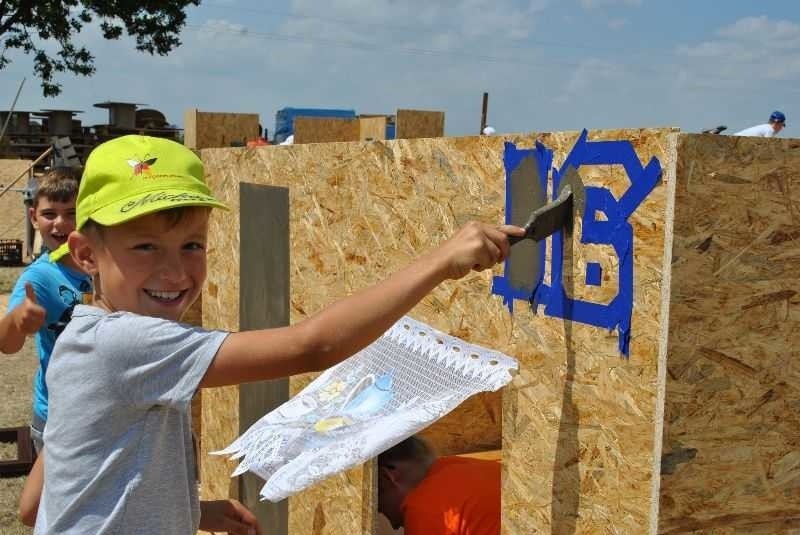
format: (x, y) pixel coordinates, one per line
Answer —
(427, 495)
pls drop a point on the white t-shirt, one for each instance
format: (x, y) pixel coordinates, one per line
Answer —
(762, 130)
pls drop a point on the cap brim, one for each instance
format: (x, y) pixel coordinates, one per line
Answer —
(142, 204)
(60, 252)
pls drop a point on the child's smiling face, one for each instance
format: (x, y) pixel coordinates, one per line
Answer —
(150, 265)
(54, 220)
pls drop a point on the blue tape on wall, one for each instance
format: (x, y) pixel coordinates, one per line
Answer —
(513, 158)
(613, 229)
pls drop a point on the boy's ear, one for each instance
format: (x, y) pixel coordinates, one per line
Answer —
(32, 217)
(83, 251)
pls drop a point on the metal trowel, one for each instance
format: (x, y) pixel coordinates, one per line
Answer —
(547, 219)
(529, 209)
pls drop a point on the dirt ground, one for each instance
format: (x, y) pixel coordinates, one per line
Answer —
(16, 376)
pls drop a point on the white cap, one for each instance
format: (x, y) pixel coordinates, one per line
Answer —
(488, 131)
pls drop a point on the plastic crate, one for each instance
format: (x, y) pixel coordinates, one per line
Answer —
(10, 252)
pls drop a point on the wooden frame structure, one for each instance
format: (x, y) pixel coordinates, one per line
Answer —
(697, 431)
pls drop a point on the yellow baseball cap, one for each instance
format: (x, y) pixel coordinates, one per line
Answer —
(131, 176)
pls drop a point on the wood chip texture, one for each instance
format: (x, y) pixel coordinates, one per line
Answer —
(14, 214)
(731, 436)
(578, 422)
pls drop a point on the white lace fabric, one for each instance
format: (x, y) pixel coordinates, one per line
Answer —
(404, 381)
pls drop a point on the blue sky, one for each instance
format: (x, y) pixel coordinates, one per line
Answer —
(548, 65)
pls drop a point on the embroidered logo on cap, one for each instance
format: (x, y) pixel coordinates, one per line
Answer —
(141, 166)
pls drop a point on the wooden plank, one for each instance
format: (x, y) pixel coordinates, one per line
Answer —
(731, 428)
(220, 410)
(372, 128)
(264, 301)
(491, 455)
(419, 123)
(325, 129)
(190, 128)
(203, 130)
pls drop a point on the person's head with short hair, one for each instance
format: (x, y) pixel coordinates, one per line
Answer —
(778, 121)
(142, 225)
(401, 469)
(52, 212)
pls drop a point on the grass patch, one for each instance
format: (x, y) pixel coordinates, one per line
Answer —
(8, 277)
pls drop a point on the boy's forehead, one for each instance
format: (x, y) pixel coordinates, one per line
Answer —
(43, 201)
(192, 221)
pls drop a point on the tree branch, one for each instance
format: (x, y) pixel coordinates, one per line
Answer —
(23, 13)
(155, 26)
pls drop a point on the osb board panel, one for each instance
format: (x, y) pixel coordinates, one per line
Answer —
(475, 426)
(325, 129)
(203, 130)
(12, 209)
(220, 310)
(579, 420)
(206, 130)
(194, 316)
(372, 128)
(732, 411)
(418, 123)
(362, 210)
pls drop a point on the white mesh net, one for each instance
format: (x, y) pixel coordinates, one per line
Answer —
(407, 379)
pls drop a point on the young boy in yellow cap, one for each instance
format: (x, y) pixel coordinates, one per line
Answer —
(119, 452)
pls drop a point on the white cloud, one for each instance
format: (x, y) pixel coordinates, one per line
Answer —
(371, 55)
(419, 22)
(617, 24)
(759, 28)
(594, 76)
(595, 4)
(380, 55)
(751, 48)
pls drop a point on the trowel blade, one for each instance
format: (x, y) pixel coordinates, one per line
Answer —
(548, 219)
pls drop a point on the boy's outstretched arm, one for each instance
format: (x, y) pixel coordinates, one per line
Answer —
(24, 320)
(351, 324)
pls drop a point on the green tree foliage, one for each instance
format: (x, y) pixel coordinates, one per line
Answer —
(33, 25)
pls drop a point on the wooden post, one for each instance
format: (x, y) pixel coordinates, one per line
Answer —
(264, 303)
(484, 110)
